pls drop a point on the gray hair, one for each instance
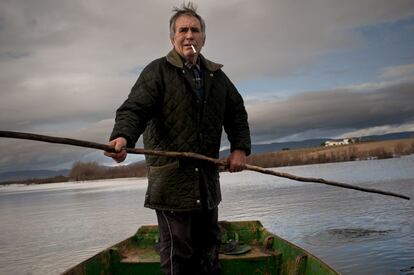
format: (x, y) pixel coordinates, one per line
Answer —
(188, 9)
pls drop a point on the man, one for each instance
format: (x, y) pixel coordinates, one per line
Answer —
(182, 102)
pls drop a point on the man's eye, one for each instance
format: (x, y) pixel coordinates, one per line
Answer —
(183, 30)
(195, 30)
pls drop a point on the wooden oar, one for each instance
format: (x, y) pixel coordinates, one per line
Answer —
(94, 145)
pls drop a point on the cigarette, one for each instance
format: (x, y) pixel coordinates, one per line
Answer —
(194, 50)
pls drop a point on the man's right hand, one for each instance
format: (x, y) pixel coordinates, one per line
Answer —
(119, 144)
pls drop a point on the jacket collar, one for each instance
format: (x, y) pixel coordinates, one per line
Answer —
(174, 58)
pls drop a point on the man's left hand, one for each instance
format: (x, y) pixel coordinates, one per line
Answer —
(237, 161)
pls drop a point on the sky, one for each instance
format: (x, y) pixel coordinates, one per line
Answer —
(306, 69)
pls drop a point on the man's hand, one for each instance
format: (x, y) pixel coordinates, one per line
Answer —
(119, 144)
(237, 161)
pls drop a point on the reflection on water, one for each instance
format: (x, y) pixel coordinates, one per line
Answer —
(338, 236)
(46, 229)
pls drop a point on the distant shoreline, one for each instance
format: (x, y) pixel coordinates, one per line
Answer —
(352, 152)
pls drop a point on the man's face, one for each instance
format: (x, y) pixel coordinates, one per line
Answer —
(187, 33)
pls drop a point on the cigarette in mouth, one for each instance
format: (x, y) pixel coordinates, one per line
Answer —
(194, 50)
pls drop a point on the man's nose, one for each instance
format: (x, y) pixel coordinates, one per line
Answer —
(189, 34)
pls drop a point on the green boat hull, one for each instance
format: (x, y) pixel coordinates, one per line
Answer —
(269, 254)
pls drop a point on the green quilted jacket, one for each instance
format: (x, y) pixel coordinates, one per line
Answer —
(163, 105)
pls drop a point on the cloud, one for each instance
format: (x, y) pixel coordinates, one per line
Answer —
(332, 111)
(276, 38)
(405, 71)
(60, 99)
(380, 130)
(26, 154)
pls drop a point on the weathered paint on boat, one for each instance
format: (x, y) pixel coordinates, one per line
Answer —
(270, 255)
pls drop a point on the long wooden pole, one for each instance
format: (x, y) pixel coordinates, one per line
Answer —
(218, 162)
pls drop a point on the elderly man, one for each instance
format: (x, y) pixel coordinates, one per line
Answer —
(181, 102)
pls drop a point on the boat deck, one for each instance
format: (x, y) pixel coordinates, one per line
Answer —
(148, 255)
(256, 261)
(139, 255)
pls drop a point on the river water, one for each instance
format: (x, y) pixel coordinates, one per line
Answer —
(45, 229)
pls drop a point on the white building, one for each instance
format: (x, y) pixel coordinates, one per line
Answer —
(344, 141)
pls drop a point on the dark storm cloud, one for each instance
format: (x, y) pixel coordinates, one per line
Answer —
(329, 110)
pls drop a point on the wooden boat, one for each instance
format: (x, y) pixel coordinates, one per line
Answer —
(260, 252)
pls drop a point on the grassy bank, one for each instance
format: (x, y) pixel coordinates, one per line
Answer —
(367, 150)
(361, 151)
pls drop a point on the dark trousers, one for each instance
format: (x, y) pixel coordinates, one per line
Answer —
(189, 242)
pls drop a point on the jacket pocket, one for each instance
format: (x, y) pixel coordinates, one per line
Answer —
(171, 186)
(164, 168)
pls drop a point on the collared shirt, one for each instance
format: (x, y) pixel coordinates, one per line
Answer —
(195, 69)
